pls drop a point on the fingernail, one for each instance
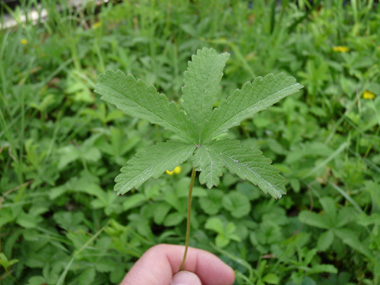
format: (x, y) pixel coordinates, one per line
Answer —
(186, 278)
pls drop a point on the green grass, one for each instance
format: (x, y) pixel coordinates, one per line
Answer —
(61, 146)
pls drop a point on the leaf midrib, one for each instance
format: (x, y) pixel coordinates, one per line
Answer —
(211, 164)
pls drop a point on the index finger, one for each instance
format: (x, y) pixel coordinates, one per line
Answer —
(161, 262)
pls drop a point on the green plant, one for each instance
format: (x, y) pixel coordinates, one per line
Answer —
(60, 146)
(199, 128)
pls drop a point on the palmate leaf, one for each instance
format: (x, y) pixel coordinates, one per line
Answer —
(152, 162)
(246, 162)
(198, 124)
(201, 85)
(137, 99)
(245, 102)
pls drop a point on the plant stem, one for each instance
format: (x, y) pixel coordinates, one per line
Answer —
(188, 218)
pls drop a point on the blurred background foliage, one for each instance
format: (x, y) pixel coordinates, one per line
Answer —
(61, 146)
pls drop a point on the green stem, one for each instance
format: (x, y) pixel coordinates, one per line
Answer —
(188, 218)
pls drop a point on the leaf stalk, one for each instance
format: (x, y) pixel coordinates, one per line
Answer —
(188, 218)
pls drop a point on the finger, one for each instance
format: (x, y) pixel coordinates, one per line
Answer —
(161, 262)
(186, 278)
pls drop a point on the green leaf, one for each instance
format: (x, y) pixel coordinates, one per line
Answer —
(36, 280)
(377, 269)
(161, 210)
(271, 278)
(373, 188)
(87, 276)
(351, 239)
(105, 265)
(308, 281)
(197, 124)
(171, 197)
(210, 164)
(137, 99)
(134, 201)
(320, 268)
(362, 219)
(201, 85)
(5, 263)
(328, 205)
(182, 189)
(69, 220)
(346, 215)
(5, 216)
(68, 154)
(28, 221)
(310, 255)
(174, 219)
(248, 190)
(248, 163)
(325, 240)
(215, 224)
(313, 219)
(212, 203)
(269, 233)
(152, 163)
(221, 241)
(237, 204)
(245, 102)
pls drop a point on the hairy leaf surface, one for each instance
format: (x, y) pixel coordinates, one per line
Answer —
(210, 164)
(250, 164)
(201, 85)
(245, 102)
(152, 163)
(135, 98)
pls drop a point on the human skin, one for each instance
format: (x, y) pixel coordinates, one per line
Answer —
(160, 266)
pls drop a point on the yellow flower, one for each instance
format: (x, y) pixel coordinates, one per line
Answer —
(368, 95)
(24, 41)
(176, 170)
(96, 25)
(341, 49)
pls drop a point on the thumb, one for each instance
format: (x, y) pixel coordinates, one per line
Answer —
(186, 278)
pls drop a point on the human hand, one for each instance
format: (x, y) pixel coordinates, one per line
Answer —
(160, 266)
